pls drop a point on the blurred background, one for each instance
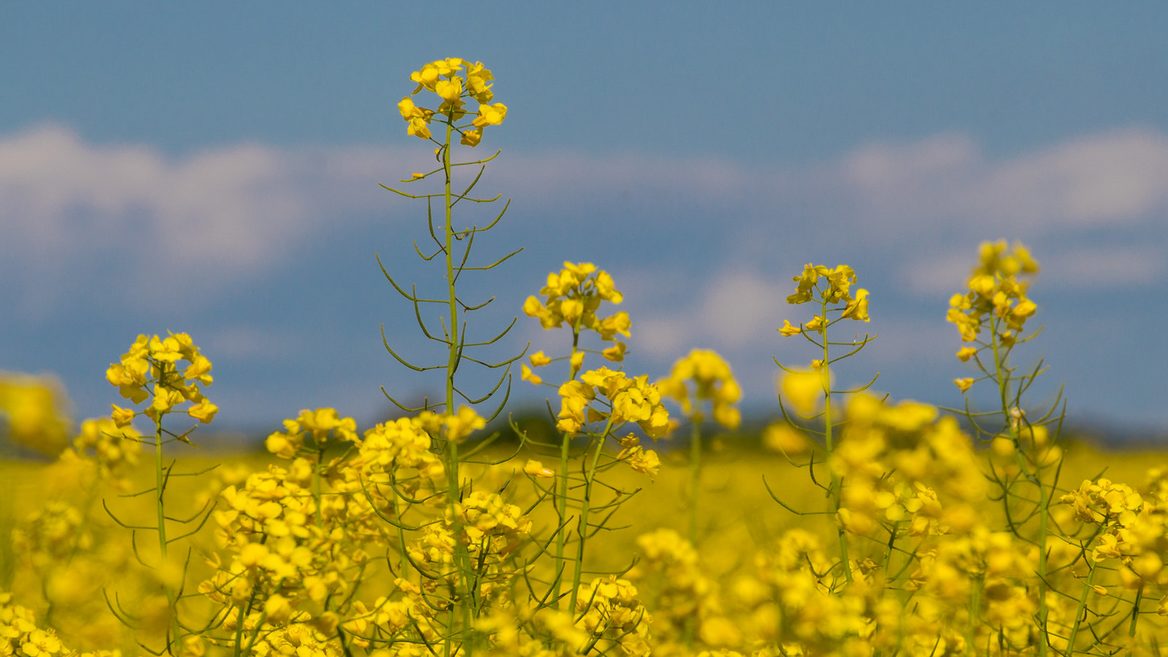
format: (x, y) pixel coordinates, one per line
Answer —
(215, 170)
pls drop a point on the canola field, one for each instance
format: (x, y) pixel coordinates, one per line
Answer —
(643, 524)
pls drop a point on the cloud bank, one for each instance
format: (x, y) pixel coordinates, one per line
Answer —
(234, 212)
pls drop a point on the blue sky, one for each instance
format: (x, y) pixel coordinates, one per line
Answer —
(214, 169)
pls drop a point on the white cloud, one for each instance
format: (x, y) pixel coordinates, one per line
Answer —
(232, 212)
(66, 198)
(1110, 178)
(736, 309)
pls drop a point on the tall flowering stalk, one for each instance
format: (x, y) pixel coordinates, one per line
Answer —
(454, 82)
(804, 389)
(152, 371)
(703, 385)
(595, 405)
(992, 316)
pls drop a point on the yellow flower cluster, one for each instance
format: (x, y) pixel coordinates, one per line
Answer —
(573, 296)
(683, 594)
(997, 292)
(795, 606)
(712, 381)
(315, 426)
(396, 456)
(292, 544)
(20, 636)
(895, 460)
(52, 534)
(452, 428)
(150, 370)
(115, 451)
(32, 412)
(612, 613)
(949, 574)
(827, 286)
(493, 529)
(619, 399)
(453, 80)
(1129, 527)
(645, 461)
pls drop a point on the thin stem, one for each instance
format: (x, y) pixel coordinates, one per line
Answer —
(835, 487)
(160, 477)
(582, 525)
(1080, 611)
(1003, 378)
(562, 485)
(695, 476)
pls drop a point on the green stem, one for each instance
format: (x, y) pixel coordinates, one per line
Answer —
(695, 476)
(464, 595)
(1080, 611)
(243, 612)
(582, 526)
(562, 488)
(159, 488)
(975, 592)
(836, 486)
(695, 482)
(1135, 616)
(1002, 377)
(160, 515)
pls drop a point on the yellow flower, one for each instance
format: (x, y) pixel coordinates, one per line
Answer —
(164, 400)
(539, 359)
(787, 330)
(615, 353)
(204, 411)
(418, 128)
(1025, 308)
(857, 308)
(537, 469)
(277, 608)
(711, 380)
(478, 79)
(571, 309)
(526, 374)
(963, 383)
(410, 110)
(449, 90)
(458, 426)
(574, 398)
(123, 416)
(817, 323)
(803, 390)
(806, 284)
(644, 461)
(965, 353)
(472, 137)
(490, 115)
(783, 438)
(606, 288)
(426, 77)
(199, 370)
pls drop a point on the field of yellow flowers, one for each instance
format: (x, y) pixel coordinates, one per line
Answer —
(864, 526)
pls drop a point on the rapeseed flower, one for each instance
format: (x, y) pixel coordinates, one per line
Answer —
(454, 81)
